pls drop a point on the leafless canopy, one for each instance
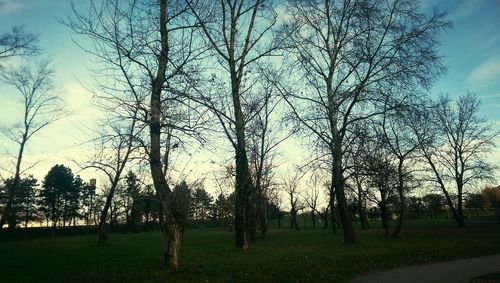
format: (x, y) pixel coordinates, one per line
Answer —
(17, 42)
(40, 101)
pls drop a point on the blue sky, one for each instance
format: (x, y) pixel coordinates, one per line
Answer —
(471, 50)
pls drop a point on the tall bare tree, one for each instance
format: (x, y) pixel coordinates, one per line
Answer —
(265, 133)
(149, 46)
(346, 55)
(17, 42)
(290, 185)
(41, 106)
(397, 134)
(356, 169)
(239, 34)
(455, 142)
(115, 148)
(311, 197)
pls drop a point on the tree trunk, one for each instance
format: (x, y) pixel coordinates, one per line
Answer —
(460, 212)
(293, 221)
(324, 216)
(384, 216)
(362, 216)
(332, 207)
(313, 218)
(241, 199)
(172, 230)
(243, 178)
(251, 220)
(102, 228)
(459, 219)
(497, 210)
(173, 233)
(361, 207)
(338, 181)
(397, 230)
(263, 215)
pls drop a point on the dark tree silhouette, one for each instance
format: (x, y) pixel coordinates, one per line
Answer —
(455, 141)
(56, 193)
(347, 54)
(240, 34)
(17, 42)
(41, 107)
(149, 49)
(25, 208)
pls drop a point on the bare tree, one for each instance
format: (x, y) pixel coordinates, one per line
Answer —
(41, 106)
(115, 148)
(382, 175)
(455, 142)
(17, 42)
(290, 185)
(401, 142)
(356, 169)
(311, 198)
(149, 47)
(345, 55)
(265, 133)
(239, 34)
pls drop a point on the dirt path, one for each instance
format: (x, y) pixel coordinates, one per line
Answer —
(443, 272)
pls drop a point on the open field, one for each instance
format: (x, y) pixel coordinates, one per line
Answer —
(208, 256)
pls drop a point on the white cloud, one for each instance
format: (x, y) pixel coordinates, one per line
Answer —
(486, 73)
(464, 10)
(39, 164)
(7, 7)
(488, 96)
(491, 41)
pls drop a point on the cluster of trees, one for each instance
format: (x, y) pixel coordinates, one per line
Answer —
(489, 197)
(41, 105)
(64, 199)
(349, 78)
(61, 200)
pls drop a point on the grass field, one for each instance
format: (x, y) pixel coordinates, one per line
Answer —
(208, 255)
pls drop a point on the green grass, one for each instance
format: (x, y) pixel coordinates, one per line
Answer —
(208, 255)
(495, 277)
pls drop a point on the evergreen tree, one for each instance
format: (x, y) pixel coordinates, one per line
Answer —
(24, 209)
(57, 188)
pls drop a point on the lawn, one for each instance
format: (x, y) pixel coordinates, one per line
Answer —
(208, 256)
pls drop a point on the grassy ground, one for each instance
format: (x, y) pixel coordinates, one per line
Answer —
(208, 256)
(492, 277)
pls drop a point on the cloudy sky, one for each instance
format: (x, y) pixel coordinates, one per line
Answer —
(471, 50)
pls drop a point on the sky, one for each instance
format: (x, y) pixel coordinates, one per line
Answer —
(470, 50)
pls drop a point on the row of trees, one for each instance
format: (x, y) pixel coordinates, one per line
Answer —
(62, 199)
(65, 200)
(347, 77)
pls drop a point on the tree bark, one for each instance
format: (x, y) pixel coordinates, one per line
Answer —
(102, 229)
(313, 218)
(459, 219)
(262, 215)
(399, 224)
(338, 182)
(172, 230)
(384, 216)
(360, 206)
(332, 207)
(252, 220)
(243, 178)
